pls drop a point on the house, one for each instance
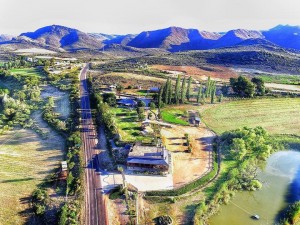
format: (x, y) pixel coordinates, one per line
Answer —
(149, 158)
(127, 102)
(154, 89)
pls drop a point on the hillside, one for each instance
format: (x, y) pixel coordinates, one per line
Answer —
(234, 37)
(285, 36)
(5, 37)
(174, 39)
(256, 56)
(63, 37)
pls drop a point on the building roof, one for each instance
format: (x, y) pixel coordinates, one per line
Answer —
(147, 161)
(154, 89)
(146, 151)
(127, 101)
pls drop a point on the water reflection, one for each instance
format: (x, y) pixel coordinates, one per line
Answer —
(281, 185)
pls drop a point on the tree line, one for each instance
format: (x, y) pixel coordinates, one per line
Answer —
(182, 92)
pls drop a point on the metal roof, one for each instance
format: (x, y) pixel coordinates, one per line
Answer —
(147, 161)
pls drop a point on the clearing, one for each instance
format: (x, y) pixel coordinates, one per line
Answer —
(28, 72)
(277, 115)
(26, 160)
(215, 72)
(174, 115)
(189, 166)
(61, 100)
(128, 125)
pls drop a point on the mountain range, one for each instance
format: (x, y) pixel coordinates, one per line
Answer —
(172, 39)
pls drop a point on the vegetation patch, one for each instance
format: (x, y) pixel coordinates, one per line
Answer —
(26, 160)
(176, 116)
(276, 115)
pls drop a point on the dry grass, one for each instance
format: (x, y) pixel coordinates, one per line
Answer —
(188, 166)
(278, 116)
(217, 72)
(25, 161)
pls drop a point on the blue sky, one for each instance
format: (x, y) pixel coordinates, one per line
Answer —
(134, 16)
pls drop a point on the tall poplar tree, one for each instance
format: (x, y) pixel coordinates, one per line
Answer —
(188, 92)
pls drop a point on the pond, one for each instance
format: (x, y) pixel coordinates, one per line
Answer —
(281, 185)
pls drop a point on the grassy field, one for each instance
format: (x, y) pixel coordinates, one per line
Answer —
(281, 79)
(25, 161)
(173, 115)
(128, 125)
(278, 115)
(28, 72)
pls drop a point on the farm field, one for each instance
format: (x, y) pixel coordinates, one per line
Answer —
(215, 72)
(128, 125)
(26, 160)
(277, 115)
(174, 115)
(28, 72)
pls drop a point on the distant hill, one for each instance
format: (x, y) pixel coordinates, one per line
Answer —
(234, 37)
(285, 36)
(64, 37)
(174, 39)
(5, 37)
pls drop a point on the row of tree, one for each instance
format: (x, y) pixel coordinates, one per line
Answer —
(183, 91)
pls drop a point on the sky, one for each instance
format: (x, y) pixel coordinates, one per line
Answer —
(135, 16)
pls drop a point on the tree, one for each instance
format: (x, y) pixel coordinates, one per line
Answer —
(183, 90)
(170, 92)
(221, 97)
(160, 97)
(119, 88)
(242, 86)
(140, 112)
(177, 90)
(259, 85)
(166, 91)
(213, 93)
(238, 148)
(199, 95)
(207, 89)
(110, 99)
(188, 92)
(152, 106)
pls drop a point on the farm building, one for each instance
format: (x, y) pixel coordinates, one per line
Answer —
(148, 158)
(154, 89)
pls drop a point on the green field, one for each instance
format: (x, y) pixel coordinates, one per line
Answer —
(128, 125)
(28, 72)
(278, 115)
(25, 160)
(281, 79)
(172, 115)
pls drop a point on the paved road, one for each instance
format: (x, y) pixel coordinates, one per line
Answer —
(95, 207)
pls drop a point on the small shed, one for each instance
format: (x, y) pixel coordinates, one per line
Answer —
(154, 89)
(64, 166)
(197, 121)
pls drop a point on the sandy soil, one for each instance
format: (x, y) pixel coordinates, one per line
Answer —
(285, 87)
(35, 51)
(189, 166)
(217, 73)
